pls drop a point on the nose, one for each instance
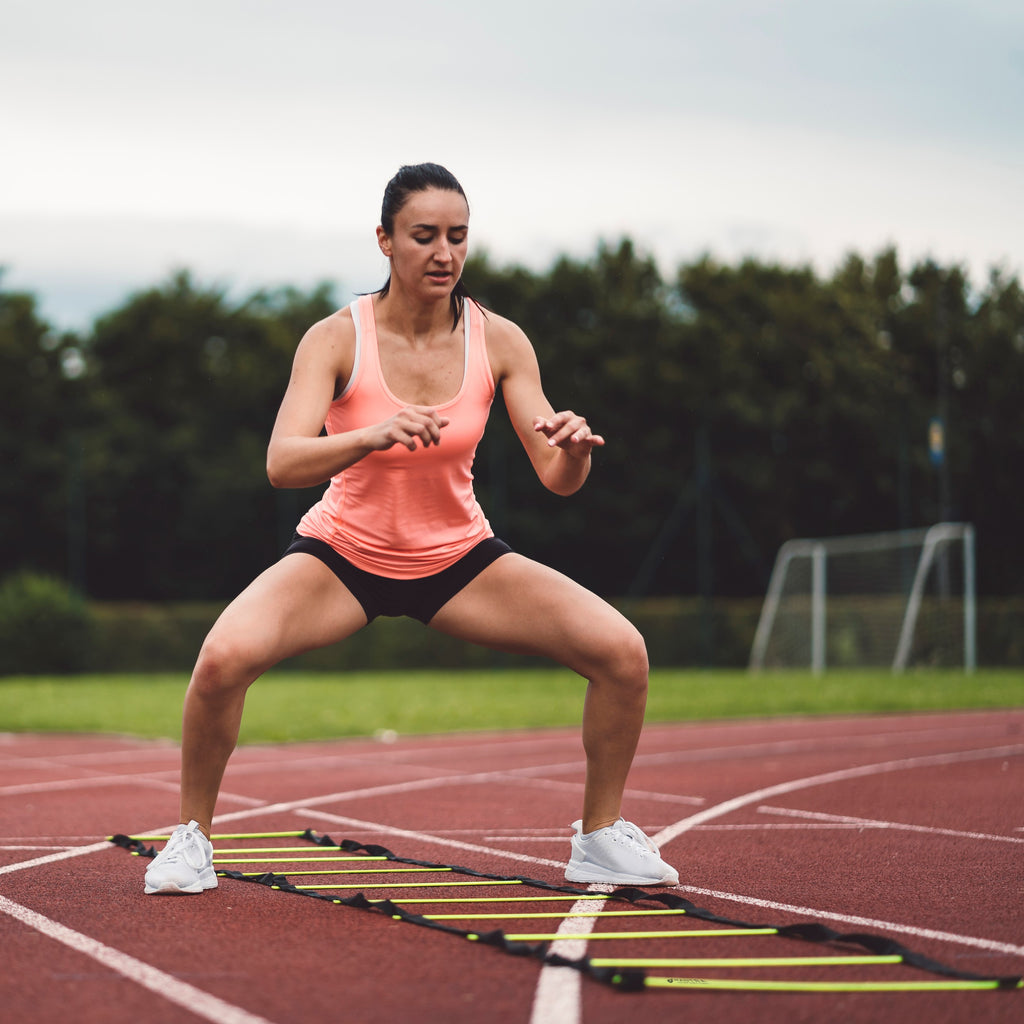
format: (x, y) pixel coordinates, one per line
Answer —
(443, 252)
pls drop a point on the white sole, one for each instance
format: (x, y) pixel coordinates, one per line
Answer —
(170, 889)
(585, 877)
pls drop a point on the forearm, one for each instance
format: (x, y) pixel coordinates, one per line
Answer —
(298, 461)
(565, 474)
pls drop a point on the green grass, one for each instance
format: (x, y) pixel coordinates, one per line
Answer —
(289, 706)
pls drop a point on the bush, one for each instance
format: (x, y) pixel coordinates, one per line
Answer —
(1001, 631)
(141, 637)
(44, 626)
(136, 637)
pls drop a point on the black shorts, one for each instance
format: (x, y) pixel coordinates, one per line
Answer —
(418, 598)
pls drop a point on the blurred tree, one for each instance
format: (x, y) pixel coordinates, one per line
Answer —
(986, 429)
(37, 369)
(794, 380)
(742, 405)
(601, 329)
(183, 389)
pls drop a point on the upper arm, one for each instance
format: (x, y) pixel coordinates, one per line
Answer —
(321, 368)
(516, 372)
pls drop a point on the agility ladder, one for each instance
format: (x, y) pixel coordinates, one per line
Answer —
(624, 973)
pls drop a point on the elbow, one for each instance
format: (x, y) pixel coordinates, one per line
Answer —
(561, 490)
(281, 479)
(276, 471)
(275, 478)
(285, 470)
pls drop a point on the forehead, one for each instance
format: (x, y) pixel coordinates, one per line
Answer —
(435, 206)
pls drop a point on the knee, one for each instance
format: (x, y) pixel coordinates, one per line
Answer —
(624, 660)
(634, 663)
(222, 668)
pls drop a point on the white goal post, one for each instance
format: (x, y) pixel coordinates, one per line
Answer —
(897, 599)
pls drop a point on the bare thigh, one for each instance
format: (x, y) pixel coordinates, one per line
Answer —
(524, 607)
(296, 605)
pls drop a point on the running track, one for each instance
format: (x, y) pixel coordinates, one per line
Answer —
(907, 826)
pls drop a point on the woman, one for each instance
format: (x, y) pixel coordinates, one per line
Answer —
(403, 380)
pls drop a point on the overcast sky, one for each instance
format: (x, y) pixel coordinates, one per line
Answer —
(251, 140)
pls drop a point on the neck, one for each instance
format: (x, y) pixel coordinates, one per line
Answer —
(413, 317)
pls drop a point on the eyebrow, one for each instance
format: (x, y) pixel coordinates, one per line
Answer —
(433, 227)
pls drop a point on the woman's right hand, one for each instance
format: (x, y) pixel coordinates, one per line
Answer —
(412, 422)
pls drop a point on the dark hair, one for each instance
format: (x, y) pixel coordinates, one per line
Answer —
(410, 179)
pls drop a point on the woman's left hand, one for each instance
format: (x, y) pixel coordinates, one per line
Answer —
(569, 432)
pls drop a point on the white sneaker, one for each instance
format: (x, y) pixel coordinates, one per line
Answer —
(184, 865)
(620, 854)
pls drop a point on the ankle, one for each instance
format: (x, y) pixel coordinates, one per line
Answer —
(205, 829)
(596, 824)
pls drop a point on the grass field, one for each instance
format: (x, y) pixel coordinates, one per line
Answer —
(286, 706)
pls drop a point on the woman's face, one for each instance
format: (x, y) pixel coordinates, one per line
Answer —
(429, 245)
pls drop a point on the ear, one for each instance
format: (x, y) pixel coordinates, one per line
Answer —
(383, 241)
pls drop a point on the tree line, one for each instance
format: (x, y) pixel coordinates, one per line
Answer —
(743, 404)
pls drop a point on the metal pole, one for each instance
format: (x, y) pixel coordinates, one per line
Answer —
(818, 610)
(970, 610)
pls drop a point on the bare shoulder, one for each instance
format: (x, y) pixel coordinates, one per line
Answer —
(338, 329)
(330, 342)
(508, 347)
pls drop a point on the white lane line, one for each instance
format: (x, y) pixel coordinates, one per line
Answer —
(55, 840)
(848, 821)
(98, 781)
(760, 749)
(778, 826)
(194, 1000)
(782, 788)
(65, 762)
(558, 996)
(427, 837)
(831, 744)
(989, 945)
(390, 789)
(62, 847)
(101, 781)
(52, 858)
(77, 851)
(397, 788)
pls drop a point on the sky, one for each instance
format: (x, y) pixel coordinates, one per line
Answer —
(249, 141)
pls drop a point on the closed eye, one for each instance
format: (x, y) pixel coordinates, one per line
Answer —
(456, 236)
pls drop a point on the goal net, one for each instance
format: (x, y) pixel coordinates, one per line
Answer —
(897, 599)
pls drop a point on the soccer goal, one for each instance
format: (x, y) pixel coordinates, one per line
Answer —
(898, 599)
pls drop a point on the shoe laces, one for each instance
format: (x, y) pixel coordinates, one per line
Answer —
(184, 845)
(634, 834)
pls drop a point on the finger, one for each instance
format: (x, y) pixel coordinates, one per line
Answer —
(550, 424)
(423, 423)
(435, 425)
(569, 431)
(585, 445)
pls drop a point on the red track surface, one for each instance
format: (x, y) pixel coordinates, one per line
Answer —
(911, 827)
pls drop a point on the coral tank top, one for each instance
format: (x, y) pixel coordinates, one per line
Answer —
(399, 513)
